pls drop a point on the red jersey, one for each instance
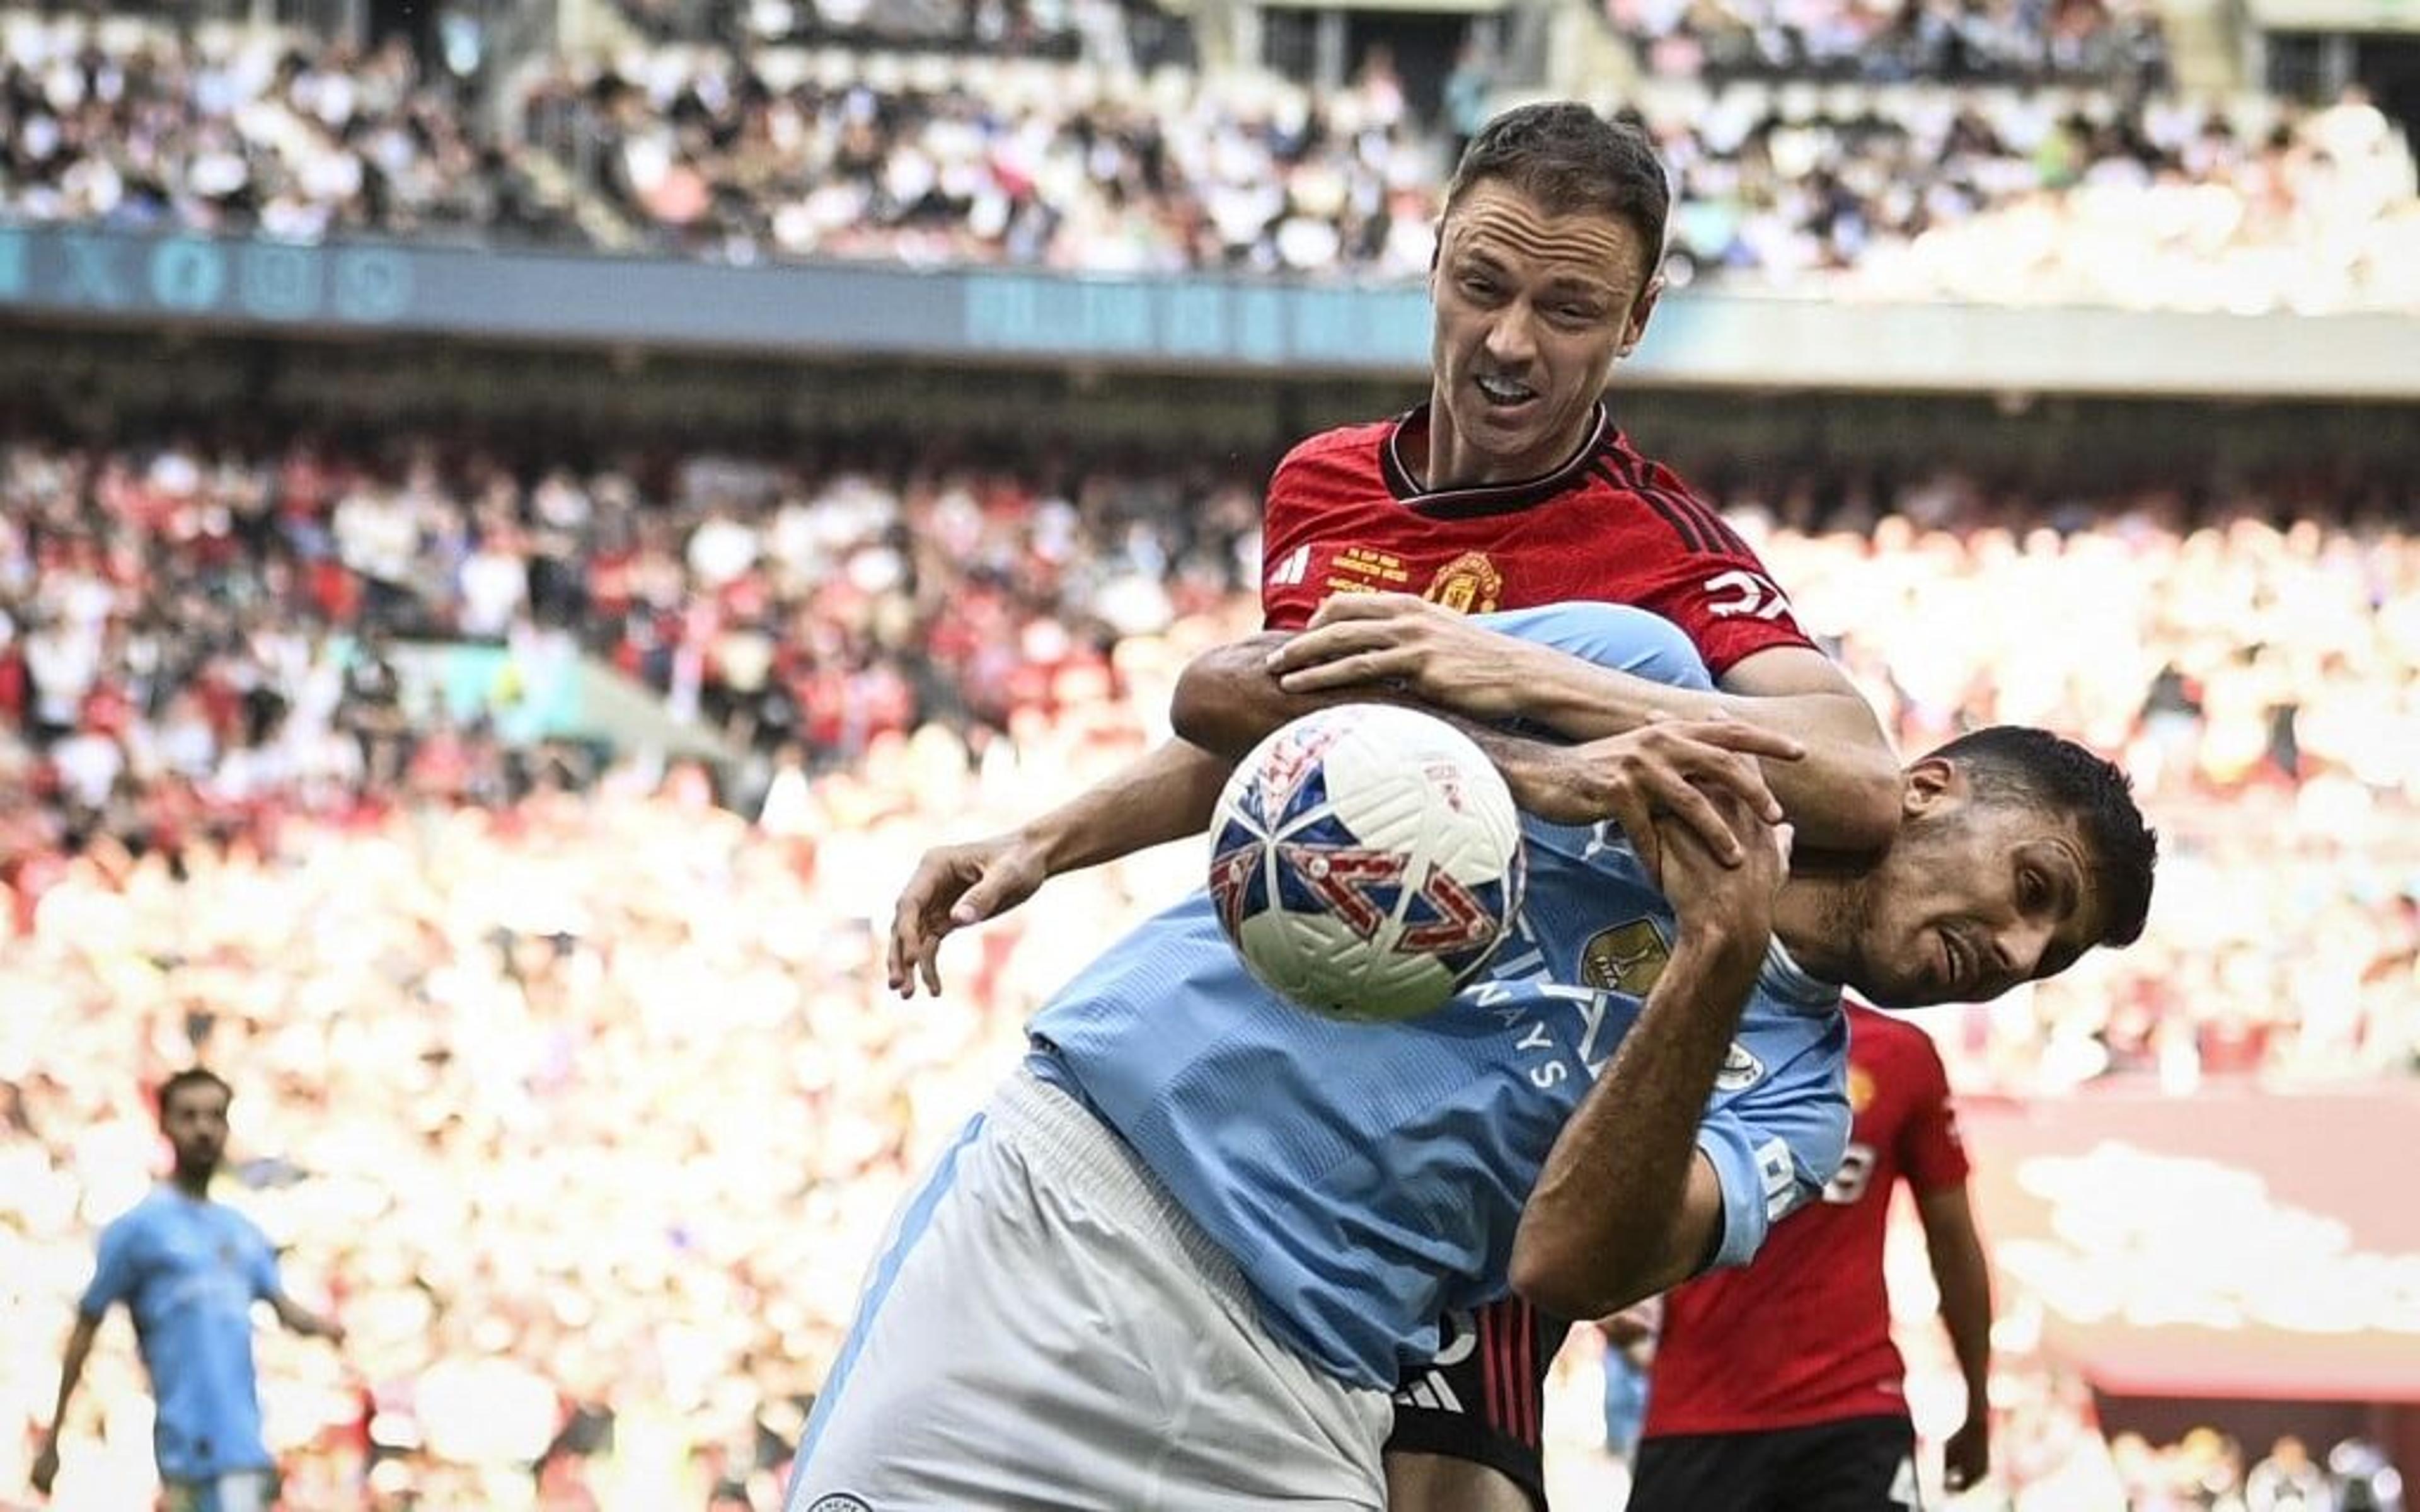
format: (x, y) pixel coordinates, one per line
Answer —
(1609, 526)
(1801, 1335)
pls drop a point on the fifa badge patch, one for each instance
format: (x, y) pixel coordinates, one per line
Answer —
(1627, 958)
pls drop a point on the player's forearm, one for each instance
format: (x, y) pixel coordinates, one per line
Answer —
(1606, 1225)
(1841, 795)
(300, 1319)
(1963, 1278)
(71, 1369)
(1165, 795)
(1228, 701)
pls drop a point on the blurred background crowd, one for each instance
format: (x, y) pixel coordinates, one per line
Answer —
(2042, 158)
(229, 835)
(563, 1074)
(190, 643)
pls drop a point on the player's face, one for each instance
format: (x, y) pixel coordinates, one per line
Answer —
(1531, 311)
(196, 1121)
(1973, 899)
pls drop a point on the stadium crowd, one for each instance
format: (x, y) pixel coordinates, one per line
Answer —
(2085, 191)
(196, 640)
(2117, 44)
(228, 831)
(127, 126)
(635, 1046)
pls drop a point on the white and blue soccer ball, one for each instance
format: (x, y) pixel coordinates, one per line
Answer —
(1366, 861)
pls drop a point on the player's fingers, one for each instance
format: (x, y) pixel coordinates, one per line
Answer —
(1637, 821)
(1327, 643)
(1688, 806)
(1745, 738)
(1740, 777)
(907, 938)
(928, 964)
(1338, 607)
(1351, 671)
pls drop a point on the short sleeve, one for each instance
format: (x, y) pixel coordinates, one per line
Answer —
(1716, 589)
(1929, 1149)
(113, 1273)
(1775, 1145)
(1290, 591)
(265, 1284)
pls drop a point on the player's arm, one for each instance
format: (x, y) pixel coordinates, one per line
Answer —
(1229, 699)
(1963, 1278)
(1844, 795)
(1165, 795)
(1628, 1202)
(301, 1321)
(46, 1459)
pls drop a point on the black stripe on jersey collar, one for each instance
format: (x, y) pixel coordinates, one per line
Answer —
(1493, 498)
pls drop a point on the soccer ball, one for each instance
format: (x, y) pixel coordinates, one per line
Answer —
(1366, 861)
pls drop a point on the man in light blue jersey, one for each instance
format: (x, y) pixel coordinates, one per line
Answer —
(1180, 1259)
(189, 1269)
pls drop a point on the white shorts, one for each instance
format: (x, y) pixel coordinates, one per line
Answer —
(237, 1491)
(1045, 1329)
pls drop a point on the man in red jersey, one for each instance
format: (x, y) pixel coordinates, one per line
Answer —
(1511, 488)
(1776, 1385)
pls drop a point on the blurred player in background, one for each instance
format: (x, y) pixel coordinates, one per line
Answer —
(1511, 488)
(189, 1269)
(1777, 1386)
(1180, 1259)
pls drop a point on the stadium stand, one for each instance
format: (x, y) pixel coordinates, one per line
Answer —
(2086, 193)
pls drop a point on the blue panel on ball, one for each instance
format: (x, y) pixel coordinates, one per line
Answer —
(1233, 834)
(1309, 794)
(1325, 833)
(1490, 895)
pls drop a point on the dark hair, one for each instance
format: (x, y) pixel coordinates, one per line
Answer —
(1570, 159)
(2006, 764)
(190, 1076)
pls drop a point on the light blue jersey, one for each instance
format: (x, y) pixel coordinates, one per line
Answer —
(1365, 1177)
(190, 1272)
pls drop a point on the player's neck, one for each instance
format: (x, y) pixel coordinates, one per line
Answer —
(1814, 917)
(192, 1184)
(1441, 461)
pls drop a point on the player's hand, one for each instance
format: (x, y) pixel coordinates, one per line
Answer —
(1669, 767)
(953, 886)
(1438, 656)
(1968, 1458)
(1732, 901)
(46, 1465)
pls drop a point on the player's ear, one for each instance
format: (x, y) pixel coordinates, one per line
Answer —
(1924, 785)
(1643, 310)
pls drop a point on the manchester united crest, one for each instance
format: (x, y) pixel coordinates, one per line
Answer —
(1469, 584)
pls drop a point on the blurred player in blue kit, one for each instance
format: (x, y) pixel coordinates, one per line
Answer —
(188, 1270)
(1182, 1257)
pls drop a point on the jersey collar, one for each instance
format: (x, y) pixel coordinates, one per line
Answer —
(1492, 499)
(1787, 980)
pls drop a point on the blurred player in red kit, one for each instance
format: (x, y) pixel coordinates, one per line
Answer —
(1776, 1385)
